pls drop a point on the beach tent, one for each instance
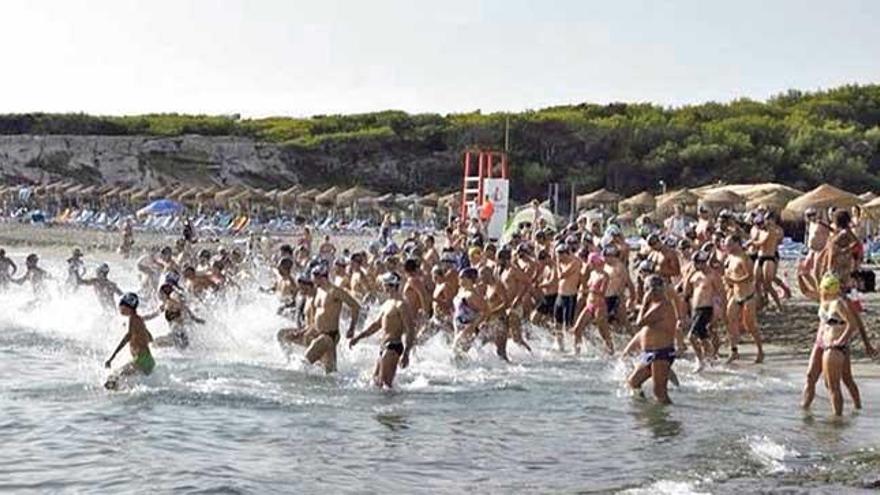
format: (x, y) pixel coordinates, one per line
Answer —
(642, 202)
(161, 207)
(602, 197)
(722, 199)
(821, 198)
(328, 197)
(526, 214)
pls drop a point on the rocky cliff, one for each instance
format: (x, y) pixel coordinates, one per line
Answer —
(202, 160)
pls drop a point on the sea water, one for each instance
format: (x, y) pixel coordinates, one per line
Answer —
(232, 414)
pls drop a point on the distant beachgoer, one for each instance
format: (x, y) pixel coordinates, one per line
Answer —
(127, 239)
(7, 269)
(138, 339)
(35, 275)
(75, 269)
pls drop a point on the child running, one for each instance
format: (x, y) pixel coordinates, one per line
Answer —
(138, 339)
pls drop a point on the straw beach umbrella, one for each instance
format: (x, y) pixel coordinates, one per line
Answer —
(328, 197)
(667, 202)
(642, 202)
(721, 199)
(602, 197)
(820, 198)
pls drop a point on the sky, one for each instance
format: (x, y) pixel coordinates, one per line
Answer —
(299, 58)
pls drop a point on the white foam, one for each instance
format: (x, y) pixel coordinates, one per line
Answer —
(664, 487)
(770, 454)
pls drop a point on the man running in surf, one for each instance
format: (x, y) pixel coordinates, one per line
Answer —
(398, 333)
(321, 339)
(106, 290)
(656, 339)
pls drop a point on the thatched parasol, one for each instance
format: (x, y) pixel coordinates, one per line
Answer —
(88, 191)
(775, 201)
(821, 198)
(328, 197)
(353, 195)
(666, 202)
(430, 200)
(139, 195)
(158, 193)
(451, 200)
(308, 196)
(721, 198)
(602, 197)
(641, 202)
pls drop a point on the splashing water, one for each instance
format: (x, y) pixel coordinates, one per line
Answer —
(232, 413)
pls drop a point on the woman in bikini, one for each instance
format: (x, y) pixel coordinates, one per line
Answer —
(470, 310)
(831, 353)
(177, 315)
(595, 309)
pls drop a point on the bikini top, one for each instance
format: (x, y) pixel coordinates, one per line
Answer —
(830, 318)
(172, 314)
(463, 312)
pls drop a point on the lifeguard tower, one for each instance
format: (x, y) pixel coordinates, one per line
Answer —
(486, 179)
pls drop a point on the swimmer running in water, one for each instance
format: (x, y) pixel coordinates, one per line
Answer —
(399, 333)
(656, 338)
(106, 290)
(177, 315)
(138, 339)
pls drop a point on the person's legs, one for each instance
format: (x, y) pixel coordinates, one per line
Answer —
(388, 368)
(850, 383)
(638, 377)
(832, 364)
(750, 322)
(814, 370)
(660, 377)
(734, 311)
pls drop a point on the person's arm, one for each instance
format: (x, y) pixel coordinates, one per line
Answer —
(409, 338)
(192, 315)
(370, 330)
(156, 312)
(122, 344)
(633, 345)
(355, 308)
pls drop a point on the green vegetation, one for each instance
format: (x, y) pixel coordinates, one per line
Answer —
(798, 138)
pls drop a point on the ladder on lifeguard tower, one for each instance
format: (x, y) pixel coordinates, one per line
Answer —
(479, 165)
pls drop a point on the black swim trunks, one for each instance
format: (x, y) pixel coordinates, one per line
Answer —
(395, 346)
(564, 308)
(700, 324)
(612, 303)
(546, 306)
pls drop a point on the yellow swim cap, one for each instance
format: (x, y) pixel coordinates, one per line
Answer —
(474, 251)
(830, 283)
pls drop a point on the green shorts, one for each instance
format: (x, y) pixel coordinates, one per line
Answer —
(144, 362)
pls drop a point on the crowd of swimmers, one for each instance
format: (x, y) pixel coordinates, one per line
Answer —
(690, 283)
